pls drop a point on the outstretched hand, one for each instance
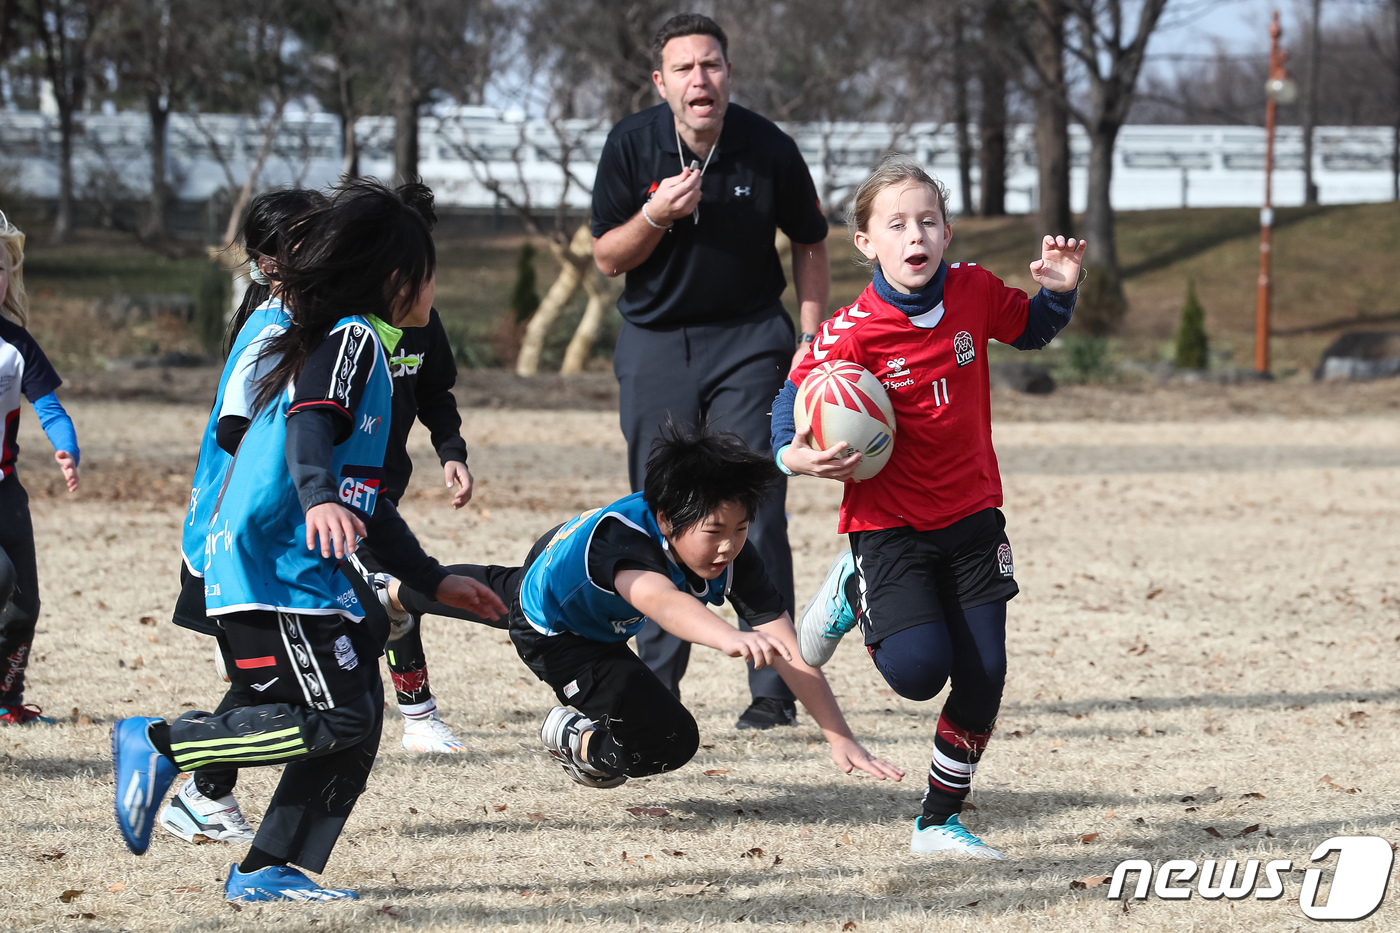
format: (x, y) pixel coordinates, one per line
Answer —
(1057, 269)
(334, 528)
(474, 596)
(848, 755)
(69, 465)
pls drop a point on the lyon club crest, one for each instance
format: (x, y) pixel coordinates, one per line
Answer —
(1004, 560)
(963, 349)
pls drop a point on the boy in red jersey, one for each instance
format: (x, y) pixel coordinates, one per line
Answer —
(929, 571)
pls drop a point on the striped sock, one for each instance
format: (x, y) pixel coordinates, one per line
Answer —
(956, 752)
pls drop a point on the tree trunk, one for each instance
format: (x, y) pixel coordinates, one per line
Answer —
(1310, 101)
(405, 102)
(1102, 303)
(960, 110)
(1052, 120)
(250, 185)
(586, 335)
(349, 143)
(157, 224)
(63, 223)
(573, 261)
(992, 121)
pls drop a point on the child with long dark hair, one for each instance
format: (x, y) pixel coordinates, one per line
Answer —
(23, 370)
(204, 805)
(301, 489)
(929, 571)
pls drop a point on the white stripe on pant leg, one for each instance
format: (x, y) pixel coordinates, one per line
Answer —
(311, 653)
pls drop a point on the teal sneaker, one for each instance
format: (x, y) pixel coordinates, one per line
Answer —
(952, 837)
(828, 615)
(143, 777)
(279, 883)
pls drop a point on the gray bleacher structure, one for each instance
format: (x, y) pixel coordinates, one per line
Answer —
(464, 151)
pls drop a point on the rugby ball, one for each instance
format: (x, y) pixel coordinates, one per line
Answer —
(843, 401)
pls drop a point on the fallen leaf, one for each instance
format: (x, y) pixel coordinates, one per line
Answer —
(500, 807)
(84, 721)
(148, 620)
(69, 896)
(1214, 832)
(972, 903)
(1252, 795)
(755, 852)
(966, 806)
(676, 852)
(389, 910)
(1109, 814)
(102, 605)
(84, 916)
(647, 811)
(777, 860)
(846, 838)
(117, 887)
(53, 855)
(1088, 838)
(534, 816)
(200, 839)
(1138, 650)
(686, 890)
(1249, 829)
(715, 771)
(1093, 881)
(412, 809)
(848, 925)
(1155, 593)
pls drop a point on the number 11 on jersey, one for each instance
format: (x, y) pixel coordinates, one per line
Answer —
(940, 392)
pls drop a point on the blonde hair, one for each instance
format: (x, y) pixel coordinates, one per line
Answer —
(896, 168)
(16, 301)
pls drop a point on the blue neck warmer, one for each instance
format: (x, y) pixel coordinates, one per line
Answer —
(926, 299)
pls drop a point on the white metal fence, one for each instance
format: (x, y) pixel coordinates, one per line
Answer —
(461, 151)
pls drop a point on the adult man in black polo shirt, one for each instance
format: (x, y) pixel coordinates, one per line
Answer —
(687, 200)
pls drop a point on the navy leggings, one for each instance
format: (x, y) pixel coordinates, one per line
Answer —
(968, 647)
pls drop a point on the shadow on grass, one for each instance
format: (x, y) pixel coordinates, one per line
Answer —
(1277, 702)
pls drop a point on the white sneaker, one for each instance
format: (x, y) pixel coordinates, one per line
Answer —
(561, 732)
(828, 615)
(430, 734)
(190, 814)
(952, 837)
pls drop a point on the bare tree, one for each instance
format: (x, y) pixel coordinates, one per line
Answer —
(151, 44)
(993, 81)
(1042, 41)
(434, 46)
(63, 30)
(962, 116)
(1110, 53)
(1314, 60)
(600, 50)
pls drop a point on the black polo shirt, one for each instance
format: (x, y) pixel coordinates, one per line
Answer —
(725, 266)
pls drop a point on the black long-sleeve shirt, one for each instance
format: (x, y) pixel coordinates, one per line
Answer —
(424, 374)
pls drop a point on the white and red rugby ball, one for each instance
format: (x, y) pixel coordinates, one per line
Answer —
(843, 401)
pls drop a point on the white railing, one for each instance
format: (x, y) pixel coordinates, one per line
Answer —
(1154, 166)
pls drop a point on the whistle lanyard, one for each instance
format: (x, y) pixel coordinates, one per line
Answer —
(680, 155)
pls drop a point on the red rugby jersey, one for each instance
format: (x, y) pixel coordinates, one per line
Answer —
(934, 368)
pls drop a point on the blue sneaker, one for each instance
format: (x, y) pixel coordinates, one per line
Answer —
(143, 777)
(950, 836)
(278, 883)
(828, 615)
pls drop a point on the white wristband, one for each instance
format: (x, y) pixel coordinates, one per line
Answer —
(647, 218)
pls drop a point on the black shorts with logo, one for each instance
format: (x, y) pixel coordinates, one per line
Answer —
(907, 578)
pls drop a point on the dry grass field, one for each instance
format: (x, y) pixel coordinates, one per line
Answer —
(1203, 665)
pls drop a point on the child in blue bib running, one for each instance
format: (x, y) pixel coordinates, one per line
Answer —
(302, 487)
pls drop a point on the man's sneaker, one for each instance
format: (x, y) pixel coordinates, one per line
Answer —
(767, 712)
(189, 814)
(430, 734)
(278, 883)
(561, 732)
(23, 714)
(950, 836)
(401, 621)
(828, 615)
(143, 777)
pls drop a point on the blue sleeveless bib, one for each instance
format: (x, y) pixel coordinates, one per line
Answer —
(256, 554)
(557, 594)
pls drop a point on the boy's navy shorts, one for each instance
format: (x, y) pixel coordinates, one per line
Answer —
(907, 578)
